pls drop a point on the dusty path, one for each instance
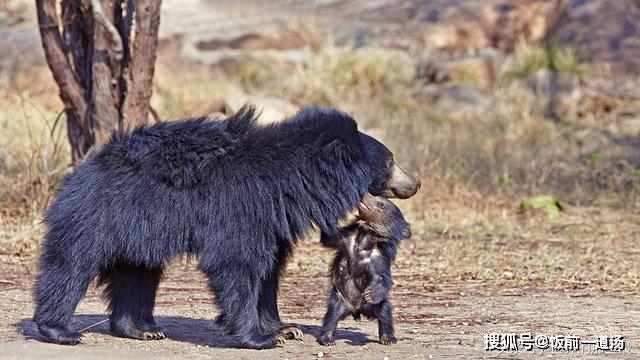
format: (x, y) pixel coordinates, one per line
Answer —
(445, 321)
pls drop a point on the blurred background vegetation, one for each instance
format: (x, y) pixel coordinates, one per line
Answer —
(522, 117)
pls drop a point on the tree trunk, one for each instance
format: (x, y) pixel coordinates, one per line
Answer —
(104, 66)
(139, 75)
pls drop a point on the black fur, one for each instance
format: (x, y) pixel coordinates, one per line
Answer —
(361, 269)
(232, 192)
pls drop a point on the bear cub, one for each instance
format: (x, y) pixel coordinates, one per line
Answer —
(361, 270)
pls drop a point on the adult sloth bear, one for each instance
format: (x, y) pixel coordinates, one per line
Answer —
(232, 192)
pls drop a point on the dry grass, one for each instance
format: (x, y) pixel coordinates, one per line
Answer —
(529, 58)
(475, 238)
(514, 148)
(34, 156)
(511, 147)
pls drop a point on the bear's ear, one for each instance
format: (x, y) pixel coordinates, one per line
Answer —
(336, 150)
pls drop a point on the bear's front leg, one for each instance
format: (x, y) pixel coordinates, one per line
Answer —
(238, 303)
(268, 309)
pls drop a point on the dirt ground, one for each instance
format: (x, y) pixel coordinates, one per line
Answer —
(434, 319)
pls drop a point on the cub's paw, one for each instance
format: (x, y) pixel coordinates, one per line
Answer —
(375, 294)
(368, 295)
(388, 339)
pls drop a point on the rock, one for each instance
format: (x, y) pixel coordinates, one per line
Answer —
(564, 91)
(4, 18)
(462, 27)
(545, 82)
(21, 52)
(281, 45)
(16, 13)
(214, 31)
(526, 20)
(608, 31)
(457, 100)
(285, 40)
(480, 69)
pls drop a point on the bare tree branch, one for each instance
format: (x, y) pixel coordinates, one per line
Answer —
(139, 74)
(70, 90)
(105, 72)
(154, 117)
(72, 94)
(77, 24)
(101, 18)
(102, 57)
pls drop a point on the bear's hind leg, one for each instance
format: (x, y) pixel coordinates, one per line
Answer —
(131, 291)
(237, 297)
(59, 287)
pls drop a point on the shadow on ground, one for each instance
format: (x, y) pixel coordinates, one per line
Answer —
(203, 332)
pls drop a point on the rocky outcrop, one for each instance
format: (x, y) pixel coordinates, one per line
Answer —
(607, 31)
(457, 100)
(470, 25)
(452, 27)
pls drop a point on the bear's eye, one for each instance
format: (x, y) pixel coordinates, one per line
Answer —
(382, 205)
(389, 164)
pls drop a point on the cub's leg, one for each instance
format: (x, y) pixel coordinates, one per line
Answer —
(337, 309)
(385, 323)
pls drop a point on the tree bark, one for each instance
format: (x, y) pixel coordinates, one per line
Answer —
(104, 65)
(139, 75)
(105, 92)
(71, 93)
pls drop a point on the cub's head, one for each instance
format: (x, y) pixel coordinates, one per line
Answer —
(389, 179)
(382, 218)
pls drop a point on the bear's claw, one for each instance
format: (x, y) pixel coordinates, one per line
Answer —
(292, 332)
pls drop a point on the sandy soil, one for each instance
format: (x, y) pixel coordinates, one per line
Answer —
(447, 320)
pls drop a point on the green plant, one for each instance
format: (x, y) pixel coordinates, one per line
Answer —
(551, 204)
(594, 159)
(529, 58)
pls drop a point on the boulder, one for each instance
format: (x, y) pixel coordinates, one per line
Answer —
(563, 91)
(456, 100)
(607, 31)
(480, 69)
(467, 26)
